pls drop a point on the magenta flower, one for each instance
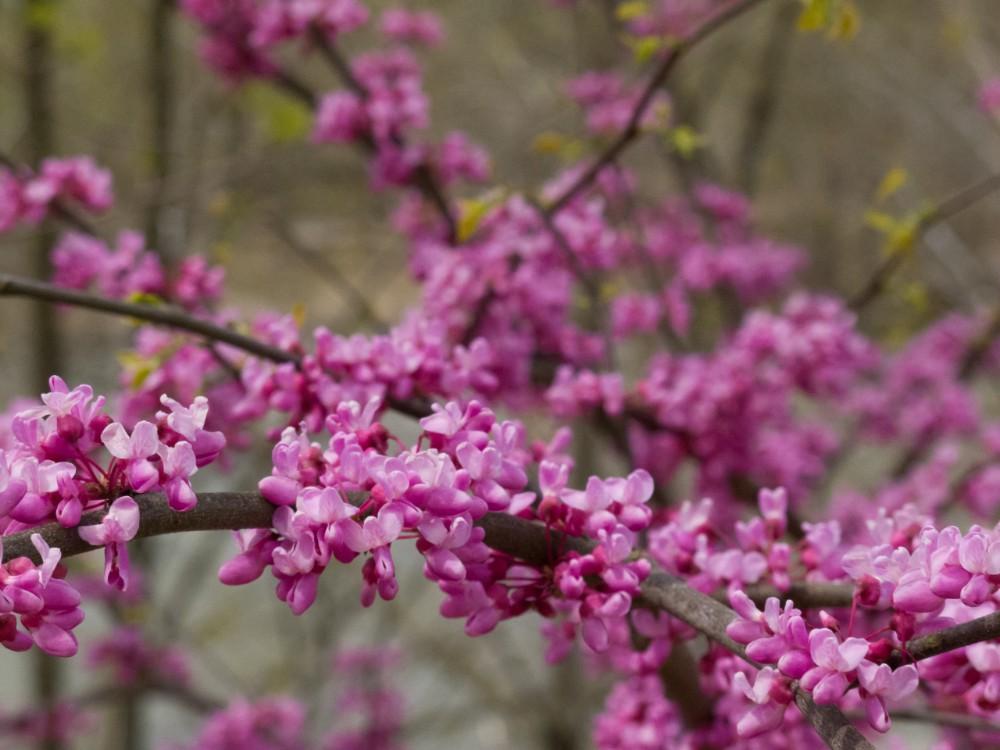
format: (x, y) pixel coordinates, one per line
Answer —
(135, 450)
(880, 683)
(989, 96)
(375, 531)
(178, 466)
(835, 660)
(118, 526)
(771, 695)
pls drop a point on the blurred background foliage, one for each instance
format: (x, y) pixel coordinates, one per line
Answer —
(821, 132)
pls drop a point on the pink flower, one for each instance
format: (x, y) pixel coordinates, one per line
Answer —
(834, 660)
(134, 450)
(771, 693)
(989, 96)
(880, 683)
(375, 531)
(118, 526)
(178, 466)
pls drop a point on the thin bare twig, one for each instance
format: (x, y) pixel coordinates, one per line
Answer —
(945, 210)
(632, 128)
(18, 286)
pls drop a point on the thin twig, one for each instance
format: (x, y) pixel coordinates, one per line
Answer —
(18, 286)
(423, 176)
(944, 211)
(632, 127)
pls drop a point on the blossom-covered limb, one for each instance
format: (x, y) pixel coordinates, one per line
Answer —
(518, 537)
(214, 511)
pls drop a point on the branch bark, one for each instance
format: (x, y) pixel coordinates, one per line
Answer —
(985, 628)
(18, 286)
(517, 537)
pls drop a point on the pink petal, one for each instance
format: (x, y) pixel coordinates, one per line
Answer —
(126, 512)
(145, 440)
(116, 440)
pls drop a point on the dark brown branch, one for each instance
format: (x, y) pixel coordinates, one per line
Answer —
(985, 628)
(805, 595)
(215, 511)
(17, 286)
(632, 128)
(517, 537)
(944, 210)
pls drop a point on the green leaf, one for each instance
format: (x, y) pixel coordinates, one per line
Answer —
(893, 180)
(558, 144)
(631, 10)
(144, 298)
(472, 211)
(645, 48)
(814, 16)
(685, 140)
(840, 19)
(283, 119)
(41, 15)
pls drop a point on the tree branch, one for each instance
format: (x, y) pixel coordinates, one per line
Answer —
(985, 628)
(17, 286)
(945, 210)
(525, 540)
(632, 128)
(805, 595)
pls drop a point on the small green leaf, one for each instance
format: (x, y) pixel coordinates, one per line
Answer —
(645, 48)
(814, 16)
(685, 140)
(893, 180)
(472, 211)
(284, 119)
(144, 298)
(41, 15)
(631, 10)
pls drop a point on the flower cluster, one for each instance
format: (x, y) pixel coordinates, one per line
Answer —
(38, 599)
(82, 261)
(52, 468)
(474, 466)
(265, 724)
(27, 196)
(688, 545)
(376, 708)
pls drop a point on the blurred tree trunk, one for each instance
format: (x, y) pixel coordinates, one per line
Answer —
(37, 17)
(161, 99)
